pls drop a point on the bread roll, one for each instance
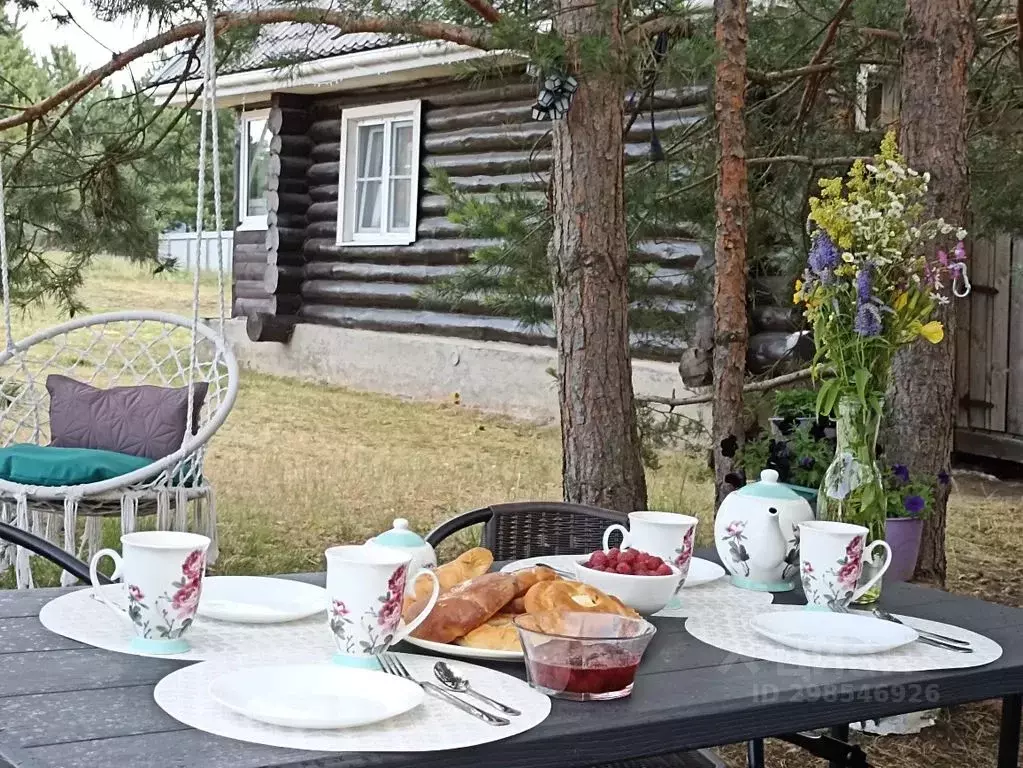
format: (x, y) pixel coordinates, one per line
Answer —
(468, 565)
(526, 578)
(563, 596)
(464, 608)
(498, 634)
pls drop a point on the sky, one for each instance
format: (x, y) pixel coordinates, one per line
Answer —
(92, 41)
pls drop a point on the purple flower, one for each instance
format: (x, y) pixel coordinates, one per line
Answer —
(824, 256)
(960, 251)
(868, 320)
(863, 285)
(914, 505)
(901, 472)
(943, 478)
(806, 462)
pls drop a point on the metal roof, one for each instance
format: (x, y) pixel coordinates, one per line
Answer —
(280, 45)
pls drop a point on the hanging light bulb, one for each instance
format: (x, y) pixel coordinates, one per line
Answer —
(555, 97)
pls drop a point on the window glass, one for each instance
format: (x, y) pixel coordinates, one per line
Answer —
(369, 177)
(257, 154)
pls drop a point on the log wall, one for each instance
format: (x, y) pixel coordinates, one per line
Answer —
(485, 139)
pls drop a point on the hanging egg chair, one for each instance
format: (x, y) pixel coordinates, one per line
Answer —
(111, 415)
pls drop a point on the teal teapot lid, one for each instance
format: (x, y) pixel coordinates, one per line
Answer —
(769, 488)
(400, 536)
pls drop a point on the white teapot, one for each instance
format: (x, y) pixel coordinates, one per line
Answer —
(756, 532)
(408, 541)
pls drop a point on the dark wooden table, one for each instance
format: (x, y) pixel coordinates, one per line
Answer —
(65, 705)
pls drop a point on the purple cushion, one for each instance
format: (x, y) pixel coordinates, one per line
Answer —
(142, 421)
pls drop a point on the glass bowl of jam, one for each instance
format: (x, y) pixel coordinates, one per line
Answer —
(583, 656)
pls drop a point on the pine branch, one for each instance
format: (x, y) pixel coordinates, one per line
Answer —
(815, 162)
(486, 11)
(674, 25)
(814, 81)
(754, 386)
(767, 78)
(431, 30)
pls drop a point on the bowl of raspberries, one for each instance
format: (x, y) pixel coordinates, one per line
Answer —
(642, 581)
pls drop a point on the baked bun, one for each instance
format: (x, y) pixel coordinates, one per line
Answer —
(468, 565)
(526, 578)
(564, 596)
(498, 634)
(464, 608)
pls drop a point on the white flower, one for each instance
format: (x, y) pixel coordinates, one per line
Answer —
(927, 177)
(961, 234)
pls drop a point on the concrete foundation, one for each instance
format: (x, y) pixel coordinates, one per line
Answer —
(514, 379)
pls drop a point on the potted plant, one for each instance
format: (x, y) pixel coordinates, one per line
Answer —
(910, 500)
(801, 458)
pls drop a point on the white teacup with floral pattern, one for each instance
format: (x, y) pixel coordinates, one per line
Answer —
(831, 559)
(161, 573)
(668, 535)
(366, 588)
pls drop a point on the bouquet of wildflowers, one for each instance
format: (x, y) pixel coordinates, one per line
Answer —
(876, 273)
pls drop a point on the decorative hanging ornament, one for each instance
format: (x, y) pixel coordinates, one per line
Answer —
(555, 97)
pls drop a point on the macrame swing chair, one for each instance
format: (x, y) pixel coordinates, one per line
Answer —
(121, 349)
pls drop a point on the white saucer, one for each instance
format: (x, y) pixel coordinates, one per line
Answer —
(836, 633)
(702, 572)
(259, 599)
(464, 651)
(318, 696)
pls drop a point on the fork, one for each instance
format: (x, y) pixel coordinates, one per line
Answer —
(393, 665)
(560, 571)
(926, 640)
(883, 614)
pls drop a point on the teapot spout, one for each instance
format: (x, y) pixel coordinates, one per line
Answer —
(771, 552)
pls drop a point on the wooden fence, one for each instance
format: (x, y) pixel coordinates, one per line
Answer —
(989, 364)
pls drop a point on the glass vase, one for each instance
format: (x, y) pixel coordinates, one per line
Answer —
(852, 490)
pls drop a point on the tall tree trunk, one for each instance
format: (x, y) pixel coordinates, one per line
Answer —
(938, 45)
(732, 207)
(589, 259)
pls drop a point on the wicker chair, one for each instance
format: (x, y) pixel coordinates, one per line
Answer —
(541, 528)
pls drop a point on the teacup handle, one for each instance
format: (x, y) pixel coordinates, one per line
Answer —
(868, 556)
(622, 530)
(94, 578)
(401, 634)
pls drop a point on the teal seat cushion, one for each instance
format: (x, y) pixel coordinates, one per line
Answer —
(51, 466)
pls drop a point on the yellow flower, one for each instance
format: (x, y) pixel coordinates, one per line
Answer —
(901, 301)
(798, 295)
(932, 331)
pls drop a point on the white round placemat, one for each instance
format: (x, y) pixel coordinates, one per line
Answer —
(732, 632)
(79, 616)
(434, 725)
(713, 598)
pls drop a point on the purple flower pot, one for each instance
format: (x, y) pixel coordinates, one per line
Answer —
(903, 536)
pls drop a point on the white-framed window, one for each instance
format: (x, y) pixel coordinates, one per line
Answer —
(254, 159)
(379, 177)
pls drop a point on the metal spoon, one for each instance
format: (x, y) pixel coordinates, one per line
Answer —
(883, 614)
(458, 684)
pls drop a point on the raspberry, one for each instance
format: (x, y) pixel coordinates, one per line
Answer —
(624, 568)
(655, 563)
(664, 570)
(613, 554)
(629, 556)
(598, 559)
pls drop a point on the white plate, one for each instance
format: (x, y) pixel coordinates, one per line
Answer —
(703, 572)
(319, 696)
(259, 599)
(826, 632)
(561, 562)
(464, 651)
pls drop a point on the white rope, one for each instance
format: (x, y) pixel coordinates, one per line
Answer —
(215, 157)
(4, 266)
(200, 205)
(70, 529)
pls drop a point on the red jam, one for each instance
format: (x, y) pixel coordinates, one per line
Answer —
(605, 669)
